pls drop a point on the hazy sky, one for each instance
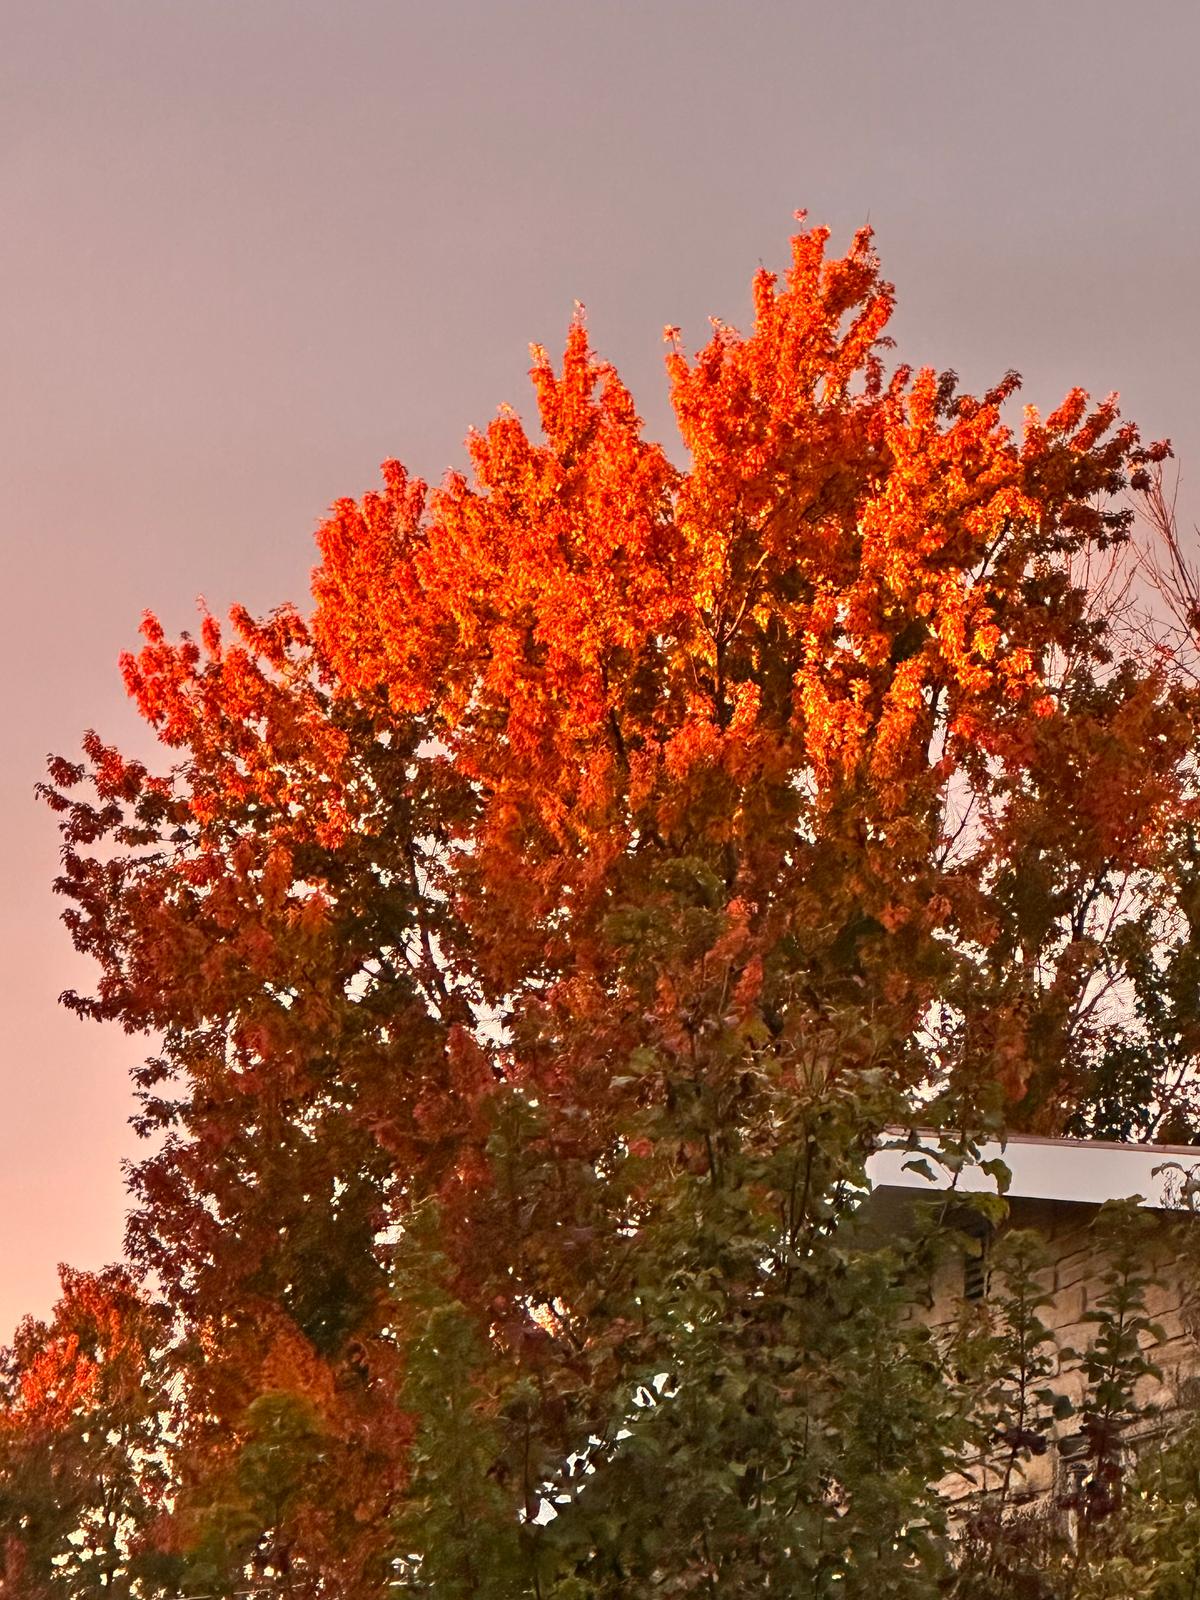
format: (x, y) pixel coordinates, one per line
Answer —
(252, 247)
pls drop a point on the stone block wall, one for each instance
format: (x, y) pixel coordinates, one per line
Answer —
(1073, 1280)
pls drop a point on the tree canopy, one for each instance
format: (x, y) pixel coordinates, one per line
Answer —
(538, 933)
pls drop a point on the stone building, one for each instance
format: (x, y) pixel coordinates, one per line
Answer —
(1056, 1190)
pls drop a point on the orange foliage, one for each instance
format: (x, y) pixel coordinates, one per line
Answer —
(591, 754)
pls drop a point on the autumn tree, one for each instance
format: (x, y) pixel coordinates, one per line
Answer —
(539, 933)
(84, 1416)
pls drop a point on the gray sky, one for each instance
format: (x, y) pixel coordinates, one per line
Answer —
(252, 247)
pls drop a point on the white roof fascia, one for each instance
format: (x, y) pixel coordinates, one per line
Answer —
(1084, 1171)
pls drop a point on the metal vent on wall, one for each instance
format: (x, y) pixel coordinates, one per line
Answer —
(975, 1273)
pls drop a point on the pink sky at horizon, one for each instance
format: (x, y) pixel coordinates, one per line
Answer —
(254, 249)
